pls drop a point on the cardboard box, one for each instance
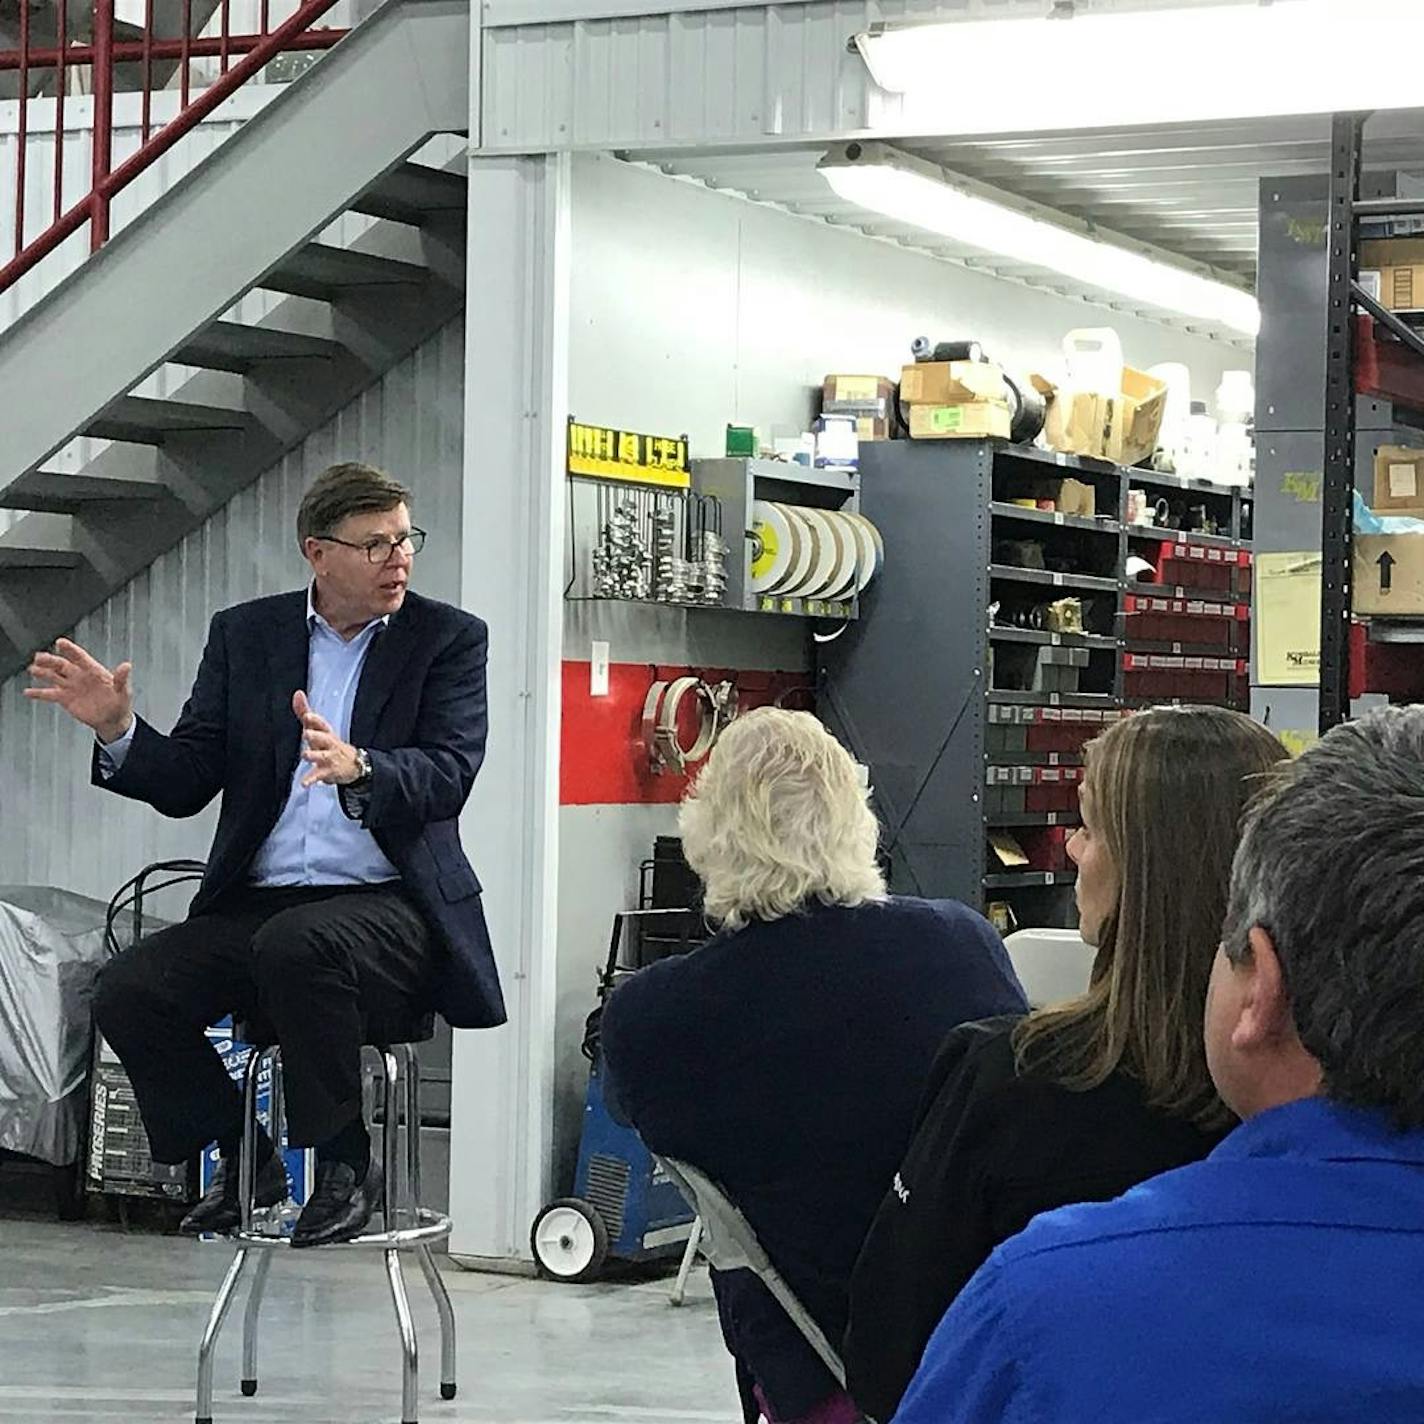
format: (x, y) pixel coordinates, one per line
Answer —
(1399, 481)
(1120, 426)
(1397, 272)
(953, 383)
(1402, 288)
(1391, 251)
(973, 421)
(1389, 574)
(1077, 497)
(1400, 264)
(869, 428)
(868, 400)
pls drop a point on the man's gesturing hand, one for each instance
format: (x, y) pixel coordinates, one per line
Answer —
(333, 761)
(85, 688)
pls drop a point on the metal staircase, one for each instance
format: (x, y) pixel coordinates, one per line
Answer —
(259, 296)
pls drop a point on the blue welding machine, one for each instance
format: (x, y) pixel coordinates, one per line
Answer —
(624, 1206)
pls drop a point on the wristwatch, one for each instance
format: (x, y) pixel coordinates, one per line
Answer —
(363, 768)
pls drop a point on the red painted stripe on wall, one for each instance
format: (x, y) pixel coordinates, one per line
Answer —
(602, 759)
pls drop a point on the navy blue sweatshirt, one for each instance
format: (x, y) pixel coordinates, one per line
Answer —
(787, 1060)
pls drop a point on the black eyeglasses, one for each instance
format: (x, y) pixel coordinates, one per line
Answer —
(379, 551)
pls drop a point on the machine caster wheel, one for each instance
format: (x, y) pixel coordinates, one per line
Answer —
(249, 1388)
(447, 1391)
(569, 1241)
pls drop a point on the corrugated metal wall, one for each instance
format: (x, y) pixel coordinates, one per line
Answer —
(54, 828)
(752, 73)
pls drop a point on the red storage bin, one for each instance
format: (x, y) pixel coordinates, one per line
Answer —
(1045, 846)
(1193, 623)
(1185, 678)
(1395, 669)
(1053, 788)
(1205, 567)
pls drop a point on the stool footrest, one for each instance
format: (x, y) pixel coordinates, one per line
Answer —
(431, 1226)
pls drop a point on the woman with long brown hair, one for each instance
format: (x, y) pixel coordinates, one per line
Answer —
(1082, 1100)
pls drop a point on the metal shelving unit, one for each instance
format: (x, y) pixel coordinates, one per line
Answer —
(909, 687)
(1002, 510)
(1397, 361)
(737, 484)
(1052, 578)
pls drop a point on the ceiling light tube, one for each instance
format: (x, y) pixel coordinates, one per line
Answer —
(1189, 64)
(906, 190)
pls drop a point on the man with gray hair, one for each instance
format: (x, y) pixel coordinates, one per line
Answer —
(1282, 1277)
(342, 725)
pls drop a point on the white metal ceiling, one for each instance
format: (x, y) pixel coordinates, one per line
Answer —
(1193, 191)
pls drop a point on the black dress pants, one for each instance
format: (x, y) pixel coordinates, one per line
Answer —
(309, 962)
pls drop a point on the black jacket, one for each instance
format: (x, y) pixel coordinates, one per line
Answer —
(991, 1151)
(786, 1060)
(419, 711)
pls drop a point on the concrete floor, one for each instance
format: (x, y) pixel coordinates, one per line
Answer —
(97, 1324)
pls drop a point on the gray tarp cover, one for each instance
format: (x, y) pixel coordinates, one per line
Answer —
(51, 948)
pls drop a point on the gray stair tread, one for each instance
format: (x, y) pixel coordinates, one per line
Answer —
(17, 557)
(323, 272)
(146, 420)
(414, 193)
(231, 346)
(52, 493)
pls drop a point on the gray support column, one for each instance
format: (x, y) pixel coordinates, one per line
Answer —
(516, 400)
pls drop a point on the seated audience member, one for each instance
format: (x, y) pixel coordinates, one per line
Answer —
(785, 1057)
(1283, 1277)
(1081, 1101)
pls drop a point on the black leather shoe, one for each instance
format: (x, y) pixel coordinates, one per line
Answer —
(218, 1210)
(340, 1206)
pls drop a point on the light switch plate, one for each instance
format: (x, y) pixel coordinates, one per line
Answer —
(598, 670)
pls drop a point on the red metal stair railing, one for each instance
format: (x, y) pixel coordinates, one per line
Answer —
(241, 57)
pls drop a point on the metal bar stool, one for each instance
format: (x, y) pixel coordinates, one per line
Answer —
(408, 1226)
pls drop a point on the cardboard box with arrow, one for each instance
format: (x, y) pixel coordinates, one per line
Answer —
(1389, 575)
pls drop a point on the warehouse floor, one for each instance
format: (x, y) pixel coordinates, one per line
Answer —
(99, 1324)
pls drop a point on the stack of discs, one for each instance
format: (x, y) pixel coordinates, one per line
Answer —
(800, 552)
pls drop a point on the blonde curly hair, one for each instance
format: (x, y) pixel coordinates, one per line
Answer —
(778, 818)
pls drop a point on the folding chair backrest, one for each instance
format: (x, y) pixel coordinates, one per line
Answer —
(1052, 965)
(730, 1244)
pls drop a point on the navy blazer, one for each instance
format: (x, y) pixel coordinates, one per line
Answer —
(419, 711)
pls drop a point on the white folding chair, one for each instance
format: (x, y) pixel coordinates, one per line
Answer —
(1052, 965)
(730, 1244)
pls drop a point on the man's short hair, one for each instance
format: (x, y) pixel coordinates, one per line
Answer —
(1331, 866)
(343, 490)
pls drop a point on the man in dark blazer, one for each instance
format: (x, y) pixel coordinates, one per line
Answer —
(343, 727)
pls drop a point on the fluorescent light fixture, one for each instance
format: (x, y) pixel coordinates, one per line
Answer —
(1181, 65)
(900, 187)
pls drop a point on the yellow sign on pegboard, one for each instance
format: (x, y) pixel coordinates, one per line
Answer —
(601, 452)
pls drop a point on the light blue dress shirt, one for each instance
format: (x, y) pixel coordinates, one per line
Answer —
(314, 842)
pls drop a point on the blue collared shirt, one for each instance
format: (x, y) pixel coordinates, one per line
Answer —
(314, 842)
(1282, 1278)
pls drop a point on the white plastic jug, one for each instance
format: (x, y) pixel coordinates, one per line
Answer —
(1235, 398)
(1172, 437)
(1092, 356)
